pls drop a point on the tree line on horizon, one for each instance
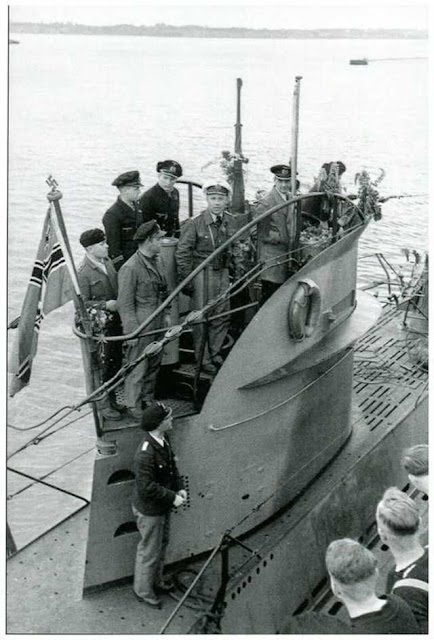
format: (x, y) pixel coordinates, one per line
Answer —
(192, 31)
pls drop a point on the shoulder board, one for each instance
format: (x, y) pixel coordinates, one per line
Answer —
(232, 215)
(145, 445)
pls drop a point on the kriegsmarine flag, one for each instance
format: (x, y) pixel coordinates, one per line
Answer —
(50, 287)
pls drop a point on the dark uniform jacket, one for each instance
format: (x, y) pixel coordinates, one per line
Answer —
(120, 224)
(411, 584)
(97, 287)
(142, 288)
(157, 477)
(157, 204)
(200, 236)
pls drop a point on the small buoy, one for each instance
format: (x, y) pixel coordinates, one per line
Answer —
(359, 61)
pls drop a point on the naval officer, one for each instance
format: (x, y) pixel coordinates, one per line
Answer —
(142, 289)
(276, 234)
(200, 236)
(161, 202)
(157, 490)
(123, 218)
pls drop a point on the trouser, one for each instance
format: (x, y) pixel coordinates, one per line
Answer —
(154, 536)
(110, 357)
(209, 284)
(111, 352)
(140, 382)
(268, 288)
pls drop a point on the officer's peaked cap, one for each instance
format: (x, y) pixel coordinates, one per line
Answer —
(146, 230)
(154, 415)
(128, 179)
(213, 187)
(170, 167)
(281, 171)
(92, 236)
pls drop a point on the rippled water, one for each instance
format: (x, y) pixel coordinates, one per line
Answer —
(86, 108)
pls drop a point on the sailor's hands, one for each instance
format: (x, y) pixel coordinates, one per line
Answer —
(188, 290)
(111, 305)
(179, 500)
(167, 320)
(183, 494)
(133, 343)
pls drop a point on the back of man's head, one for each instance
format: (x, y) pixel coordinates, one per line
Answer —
(352, 569)
(415, 460)
(399, 514)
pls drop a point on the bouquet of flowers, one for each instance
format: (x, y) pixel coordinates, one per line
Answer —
(368, 195)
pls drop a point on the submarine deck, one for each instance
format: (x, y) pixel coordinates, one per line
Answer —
(48, 569)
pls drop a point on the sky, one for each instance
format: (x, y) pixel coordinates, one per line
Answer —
(241, 13)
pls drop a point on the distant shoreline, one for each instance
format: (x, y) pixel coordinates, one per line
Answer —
(193, 31)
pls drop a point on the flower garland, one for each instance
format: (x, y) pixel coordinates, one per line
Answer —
(368, 195)
(227, 164)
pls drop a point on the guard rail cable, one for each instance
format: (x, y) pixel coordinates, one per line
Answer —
(193, 317)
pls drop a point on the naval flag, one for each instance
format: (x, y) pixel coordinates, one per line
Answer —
(51, 285)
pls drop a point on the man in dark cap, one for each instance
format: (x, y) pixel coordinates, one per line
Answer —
(123, 218)
(142, 288)
(97, 278)
(158, 489)
(200, 236)
(275, 234)
(161, 202)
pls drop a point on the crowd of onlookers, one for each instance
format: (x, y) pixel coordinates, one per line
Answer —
(402, 606)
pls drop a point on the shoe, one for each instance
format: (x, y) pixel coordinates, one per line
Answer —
(111, 414)
(152, 602)
(114, 404)
(209, 368)
(135, 414)
(118, 407)
(164, 587)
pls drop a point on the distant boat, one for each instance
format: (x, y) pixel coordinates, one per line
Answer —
(13, 41)
(360, 61)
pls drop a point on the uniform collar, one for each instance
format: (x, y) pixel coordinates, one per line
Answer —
(126, 206)
(210, 218)
(154, 442)
(279, 195)
(96, 264)
(166, 193)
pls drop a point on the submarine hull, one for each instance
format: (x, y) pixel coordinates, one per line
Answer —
(276, 414)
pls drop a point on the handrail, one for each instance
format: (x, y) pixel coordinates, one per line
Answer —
(187, 181)
(190, 184)
(210, 258)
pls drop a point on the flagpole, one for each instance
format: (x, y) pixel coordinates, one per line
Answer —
(54, 196)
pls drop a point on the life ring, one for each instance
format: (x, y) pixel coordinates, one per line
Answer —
(304, 309)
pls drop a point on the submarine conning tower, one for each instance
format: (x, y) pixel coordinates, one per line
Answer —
(276, 413)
